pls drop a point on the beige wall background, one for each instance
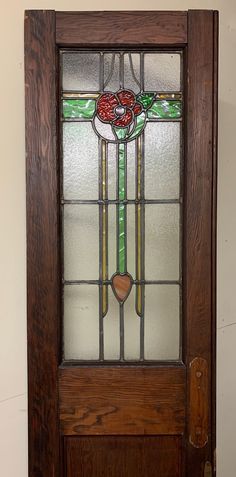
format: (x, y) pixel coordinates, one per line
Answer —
(13, 377)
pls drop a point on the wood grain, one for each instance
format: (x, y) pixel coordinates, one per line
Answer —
(121, 28)
(122, 400)
(107, 456)
(198, 403)
(199, 209)
(42, 242)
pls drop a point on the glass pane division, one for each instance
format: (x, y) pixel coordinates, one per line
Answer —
(121, 204)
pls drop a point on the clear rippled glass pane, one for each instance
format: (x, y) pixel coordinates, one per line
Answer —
(111, 328)
(162, 160)
(162, 72)
(132, 72)
(162, 242)
(81, 322)
(81, 242)
(131, 328)
(80, 71)
(111, 72)
(80, 161)
(112, 170)
(162, 322)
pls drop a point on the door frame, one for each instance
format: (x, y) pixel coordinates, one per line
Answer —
(196, 31)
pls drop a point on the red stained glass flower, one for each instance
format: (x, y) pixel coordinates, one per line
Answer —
(118, 109)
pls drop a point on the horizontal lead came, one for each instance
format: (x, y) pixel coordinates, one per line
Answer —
(125, 201)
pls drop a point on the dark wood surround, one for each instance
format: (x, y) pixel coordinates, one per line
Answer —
(75, 412)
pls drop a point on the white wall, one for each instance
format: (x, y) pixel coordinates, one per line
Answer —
(13, 383)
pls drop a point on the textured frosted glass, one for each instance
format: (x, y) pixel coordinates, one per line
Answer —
(80, 71)
(81, 322)
(162, 160)
(161, 72)
(112, 234)
(81, 242)
(111, 74)
(80, 161)
(131, 164)
(132, 328)
(162, 242)
(161, 322)
(129, 81)
(111, 328)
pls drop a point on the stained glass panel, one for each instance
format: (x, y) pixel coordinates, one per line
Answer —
(121, 115)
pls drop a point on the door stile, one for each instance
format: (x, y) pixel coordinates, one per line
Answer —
(43, 264)
(199, 276)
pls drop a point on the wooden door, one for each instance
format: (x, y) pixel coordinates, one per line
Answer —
(107, 416)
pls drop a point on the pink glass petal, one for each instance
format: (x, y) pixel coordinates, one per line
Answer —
(105, 107)
(124, 120)
(137, 109)
(126, 98)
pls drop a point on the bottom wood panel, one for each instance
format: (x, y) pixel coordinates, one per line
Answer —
(128, 456)
(124, 401)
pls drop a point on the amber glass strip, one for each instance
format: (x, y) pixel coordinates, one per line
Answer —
(104, 228)
(139, 147)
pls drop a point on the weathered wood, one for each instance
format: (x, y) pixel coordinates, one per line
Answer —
(198, 403)
(120, 400)
(107, 456)
(199, 210)
(42, 242)
(121, 28)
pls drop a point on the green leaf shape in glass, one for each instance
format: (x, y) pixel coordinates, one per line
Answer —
(79, 108)
(121, 133)
(146, 99)
(165, 110)
(140, 125)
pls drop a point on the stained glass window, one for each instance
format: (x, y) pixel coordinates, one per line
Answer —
(121, 128)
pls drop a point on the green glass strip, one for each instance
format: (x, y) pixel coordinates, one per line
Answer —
(165, 110)
(79, 108)
(121, 208)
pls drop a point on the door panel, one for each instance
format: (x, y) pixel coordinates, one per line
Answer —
(123, 456)
(121, 419)
(117, 401)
